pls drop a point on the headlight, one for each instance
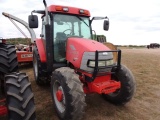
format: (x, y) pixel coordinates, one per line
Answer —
(91, 64)
(109, 62)
(100, 63)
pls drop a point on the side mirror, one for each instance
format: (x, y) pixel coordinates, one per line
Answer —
(33, 21)
(106, 25)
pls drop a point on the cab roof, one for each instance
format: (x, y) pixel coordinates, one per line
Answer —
(68, 10)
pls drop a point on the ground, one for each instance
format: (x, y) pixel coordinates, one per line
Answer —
(145, 66)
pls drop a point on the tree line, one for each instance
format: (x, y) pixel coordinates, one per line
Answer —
(17, 41)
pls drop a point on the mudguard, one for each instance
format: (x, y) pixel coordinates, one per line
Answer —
(41, 50)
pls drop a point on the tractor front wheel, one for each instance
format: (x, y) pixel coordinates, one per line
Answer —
(67, 94)
(128, 86)
(40, 69)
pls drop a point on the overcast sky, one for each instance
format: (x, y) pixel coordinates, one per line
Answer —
(132, 22)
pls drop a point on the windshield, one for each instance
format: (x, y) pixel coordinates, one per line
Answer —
(68, 26)
(72, 26)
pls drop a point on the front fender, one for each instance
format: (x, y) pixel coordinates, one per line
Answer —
(41, 50)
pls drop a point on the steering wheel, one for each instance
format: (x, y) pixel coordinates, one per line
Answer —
(68, 30)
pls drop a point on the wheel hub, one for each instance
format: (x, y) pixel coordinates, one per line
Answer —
(59, 95)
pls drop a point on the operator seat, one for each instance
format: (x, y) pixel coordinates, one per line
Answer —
(61, 45)
(61, 37)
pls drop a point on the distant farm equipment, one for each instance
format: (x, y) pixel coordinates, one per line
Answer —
(24, 53)
(153, 45)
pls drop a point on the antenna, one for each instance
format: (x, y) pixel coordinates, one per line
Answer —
(45, 4)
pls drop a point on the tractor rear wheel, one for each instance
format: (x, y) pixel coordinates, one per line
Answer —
(128, 86)
(19, 97)
(40, 70)
(67, 94)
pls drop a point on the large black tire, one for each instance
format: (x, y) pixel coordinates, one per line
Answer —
(40, 69)
(8, 58)
(8, 63)
(72, 105)
(19, 97)
(128, 86)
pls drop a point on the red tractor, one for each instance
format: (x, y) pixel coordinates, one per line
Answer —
(75, 65)
(16, 97)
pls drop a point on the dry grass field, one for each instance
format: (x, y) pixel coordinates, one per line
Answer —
(145, 105)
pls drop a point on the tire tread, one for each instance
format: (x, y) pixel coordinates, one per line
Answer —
(75, 91)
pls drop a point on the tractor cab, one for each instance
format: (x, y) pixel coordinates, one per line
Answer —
(64, 27)
(63, 23)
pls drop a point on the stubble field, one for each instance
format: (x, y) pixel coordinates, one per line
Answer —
(145, 105)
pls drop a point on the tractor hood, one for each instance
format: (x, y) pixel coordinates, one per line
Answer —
(76, 47)
(86, 44)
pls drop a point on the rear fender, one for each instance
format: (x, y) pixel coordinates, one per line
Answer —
(41, 50)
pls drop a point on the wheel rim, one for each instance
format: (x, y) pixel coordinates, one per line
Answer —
(59, 97)
(35, 65)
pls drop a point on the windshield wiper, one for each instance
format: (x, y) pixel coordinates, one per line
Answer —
(82, 20)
